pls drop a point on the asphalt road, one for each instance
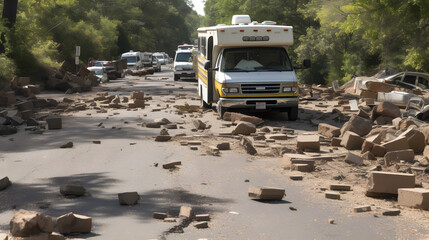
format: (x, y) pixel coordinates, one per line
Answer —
(124, 161)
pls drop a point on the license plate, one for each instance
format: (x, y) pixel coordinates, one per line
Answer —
(261, 105)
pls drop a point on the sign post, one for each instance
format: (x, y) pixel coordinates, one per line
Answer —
(76, 61)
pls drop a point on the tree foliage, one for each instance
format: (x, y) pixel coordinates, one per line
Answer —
(47, 31)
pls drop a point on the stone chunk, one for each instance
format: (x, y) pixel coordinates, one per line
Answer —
(199, 124)
(388, 109)
(414, 197)
(73, 190)
(159, 215)
(153, 125)
(308, 142)
(416, 140)
(266, 193)
(336, 142)
(67, 145)
(170, 220)
(351, 141)
(332, 195)
(7, 130)
(74, 223)
(200, 225)
(374, 86)
(162, 138)
(171, 165)
(137, 95)
(248, 146)
(358, 125)
(302, 167)
(238, 117)
(359, 209)
(279, 136)
(23, 106)
(378, 150)
(128, 198)
(224, 146)
(202, 217)
(26, 223)
(391, 212)
(387, 183)
(54, 122)
(328, 130)
(340, 187)
(397, 156)
(186, 211)
(4, 183)
(354, 159)
(244, 128)
(399, 143)
(368, 156)
(296, 177)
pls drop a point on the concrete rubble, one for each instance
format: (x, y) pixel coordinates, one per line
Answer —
(266, 193)
(72, 223)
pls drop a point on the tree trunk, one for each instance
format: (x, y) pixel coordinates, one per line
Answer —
(10, 8)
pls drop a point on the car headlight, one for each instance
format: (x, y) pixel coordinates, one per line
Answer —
(290, 89)
(229, 90)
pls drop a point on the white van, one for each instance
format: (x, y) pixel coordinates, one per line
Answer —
(161, 58)
(134, 60)
(183, 66)
(246, 66)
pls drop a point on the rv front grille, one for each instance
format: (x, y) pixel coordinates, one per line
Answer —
(260, 88)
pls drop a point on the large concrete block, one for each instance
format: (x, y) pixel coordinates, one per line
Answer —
(388, 109)
(351, 141)
(54, 122)
(378, 150)
(23, 106)
(415, 138)
(353, 159)
(308, 142)
(26, 223)
(186, 211)
(358, 125)
(367, 146)
(137, 95)
(74, 223)
(244, 128)
(248, 146)
(4, 183)
(128, 198)
(397, 156)
(266, 193)
(237, 117)
(400, 143)
(414, 197)
(73, 190)
(328, 130)
(388, 183)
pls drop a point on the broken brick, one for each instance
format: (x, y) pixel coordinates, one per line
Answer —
(308, 142)
(266, 193)
(414, 197)
(351, 141)
(397, 156)
(388, 183)
(328, 130)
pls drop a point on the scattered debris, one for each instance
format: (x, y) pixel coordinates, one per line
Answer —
(128, 198)
(266, 193)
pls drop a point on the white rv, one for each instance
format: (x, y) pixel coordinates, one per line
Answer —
(134, 60)
(246, 66)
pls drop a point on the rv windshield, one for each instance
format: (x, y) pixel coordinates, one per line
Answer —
(130, 59)
(183, 57)
(255, 59)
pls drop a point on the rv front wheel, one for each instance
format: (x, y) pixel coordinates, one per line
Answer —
(176, 78)
(220, 110)
(292, 113)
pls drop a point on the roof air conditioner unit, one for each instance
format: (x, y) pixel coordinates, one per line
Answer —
(240, 19)
(269, 23)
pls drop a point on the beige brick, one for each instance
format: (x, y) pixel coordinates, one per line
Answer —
(186, 211)
(332, 195)
(336, 142)
(328, 130)
(388, 183)
(340, 187)
(302, 167)
(367, 146)
(266, 193)
(74, 223)
(353, 159)
(308, 142)
(351, 141)
(137, 95)
(415, 138)
(414, 197)
(54, 122)
(400, 143)
(378, 150)
(397, 156)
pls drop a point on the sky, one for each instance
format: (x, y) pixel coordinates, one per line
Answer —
(199, 6)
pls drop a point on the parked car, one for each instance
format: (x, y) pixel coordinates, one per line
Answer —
(185, 47)
(155, 64)
(100, 72)
(410, 80)
(161, 58)
(183, 66)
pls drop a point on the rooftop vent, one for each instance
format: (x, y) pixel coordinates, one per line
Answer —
(240, 19)
(269, 23)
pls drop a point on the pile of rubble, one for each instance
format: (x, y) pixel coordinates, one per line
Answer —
(64, 80)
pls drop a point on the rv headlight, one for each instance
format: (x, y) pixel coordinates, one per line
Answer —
(229, 90)
(289, 89)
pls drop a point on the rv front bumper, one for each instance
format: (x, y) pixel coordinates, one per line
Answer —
(259, 103)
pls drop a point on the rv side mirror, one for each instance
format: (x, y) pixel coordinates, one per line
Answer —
(306, 63)
(207, 65)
